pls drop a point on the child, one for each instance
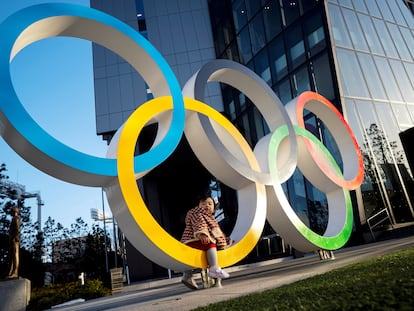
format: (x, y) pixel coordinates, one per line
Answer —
(203, 232)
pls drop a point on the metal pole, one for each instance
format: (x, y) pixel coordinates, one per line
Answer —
(115, 242)
(124, 256)
(104, 224)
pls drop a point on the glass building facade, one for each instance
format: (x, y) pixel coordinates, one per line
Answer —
(359, 54)
(374, 46)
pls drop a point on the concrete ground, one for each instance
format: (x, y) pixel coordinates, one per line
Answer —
(170, 294)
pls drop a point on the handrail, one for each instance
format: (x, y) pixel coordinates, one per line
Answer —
(371, 227)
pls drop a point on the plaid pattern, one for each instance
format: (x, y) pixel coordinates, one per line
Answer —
(198, 220)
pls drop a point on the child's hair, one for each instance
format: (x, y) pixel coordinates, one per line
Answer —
(204, 196)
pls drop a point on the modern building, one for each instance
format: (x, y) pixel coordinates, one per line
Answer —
(359, 54)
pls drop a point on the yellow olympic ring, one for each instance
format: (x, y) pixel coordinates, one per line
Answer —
(154, 240)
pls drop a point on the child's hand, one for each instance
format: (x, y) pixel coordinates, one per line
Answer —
(204, 239)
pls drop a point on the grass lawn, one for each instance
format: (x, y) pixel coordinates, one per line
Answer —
(383, 283)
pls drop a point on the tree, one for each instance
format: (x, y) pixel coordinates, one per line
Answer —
(52, 232)
(73, 250)
(94, 258)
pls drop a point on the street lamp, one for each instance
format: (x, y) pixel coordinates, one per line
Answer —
(99, 215)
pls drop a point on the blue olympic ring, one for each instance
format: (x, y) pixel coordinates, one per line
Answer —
(26, 137)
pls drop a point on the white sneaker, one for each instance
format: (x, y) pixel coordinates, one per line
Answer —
(217, 273)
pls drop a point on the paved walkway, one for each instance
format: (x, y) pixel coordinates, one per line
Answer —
(170, 294)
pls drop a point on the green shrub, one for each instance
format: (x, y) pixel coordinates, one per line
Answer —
(47, 296)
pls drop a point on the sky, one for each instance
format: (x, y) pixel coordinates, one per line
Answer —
(54, 81)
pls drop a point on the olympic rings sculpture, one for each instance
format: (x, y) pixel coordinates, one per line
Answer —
(257, 174)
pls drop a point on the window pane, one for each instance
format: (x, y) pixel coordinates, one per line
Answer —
(399, 42)
(252, 6)
(391, 86)
(232, 110)
(242, 101)
(340, 33)
(373, 8)
(243, 40)
(232, 53)
(387, 117)
(331, 144)
(300, 80)
(284, 92)
(290, 11)
(239, 14)
(261, 64)
(323, 77)
(257, 34)
(296, 47)
(397, 13)
(374, 42)
(246, 127)
(402, 115)
(351, 76)
(259, 123)
(297, 196)
(352, 119)
(272, 19)
(359, 5)
(355, 30)
(358, 121)
(316, 37)
(385, 10)
(297, 53)
(409, 39)
(411, 111)
(406, 13)
(385, 38)
(347, 3)
(229, 97)
(315, 34)
(278, 60)
(406, 87)
(393, 155)
(372, 76)
(373, 193)
(308, 4)
(410, 71)
(224, 36)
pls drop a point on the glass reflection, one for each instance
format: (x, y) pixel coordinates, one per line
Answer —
(372, 77)
(340, 34)
(352, 79)
(373, 41)
(390, 84)
(355, 30)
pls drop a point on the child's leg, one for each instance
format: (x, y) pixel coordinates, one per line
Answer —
(212, 258)
(214, 269)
